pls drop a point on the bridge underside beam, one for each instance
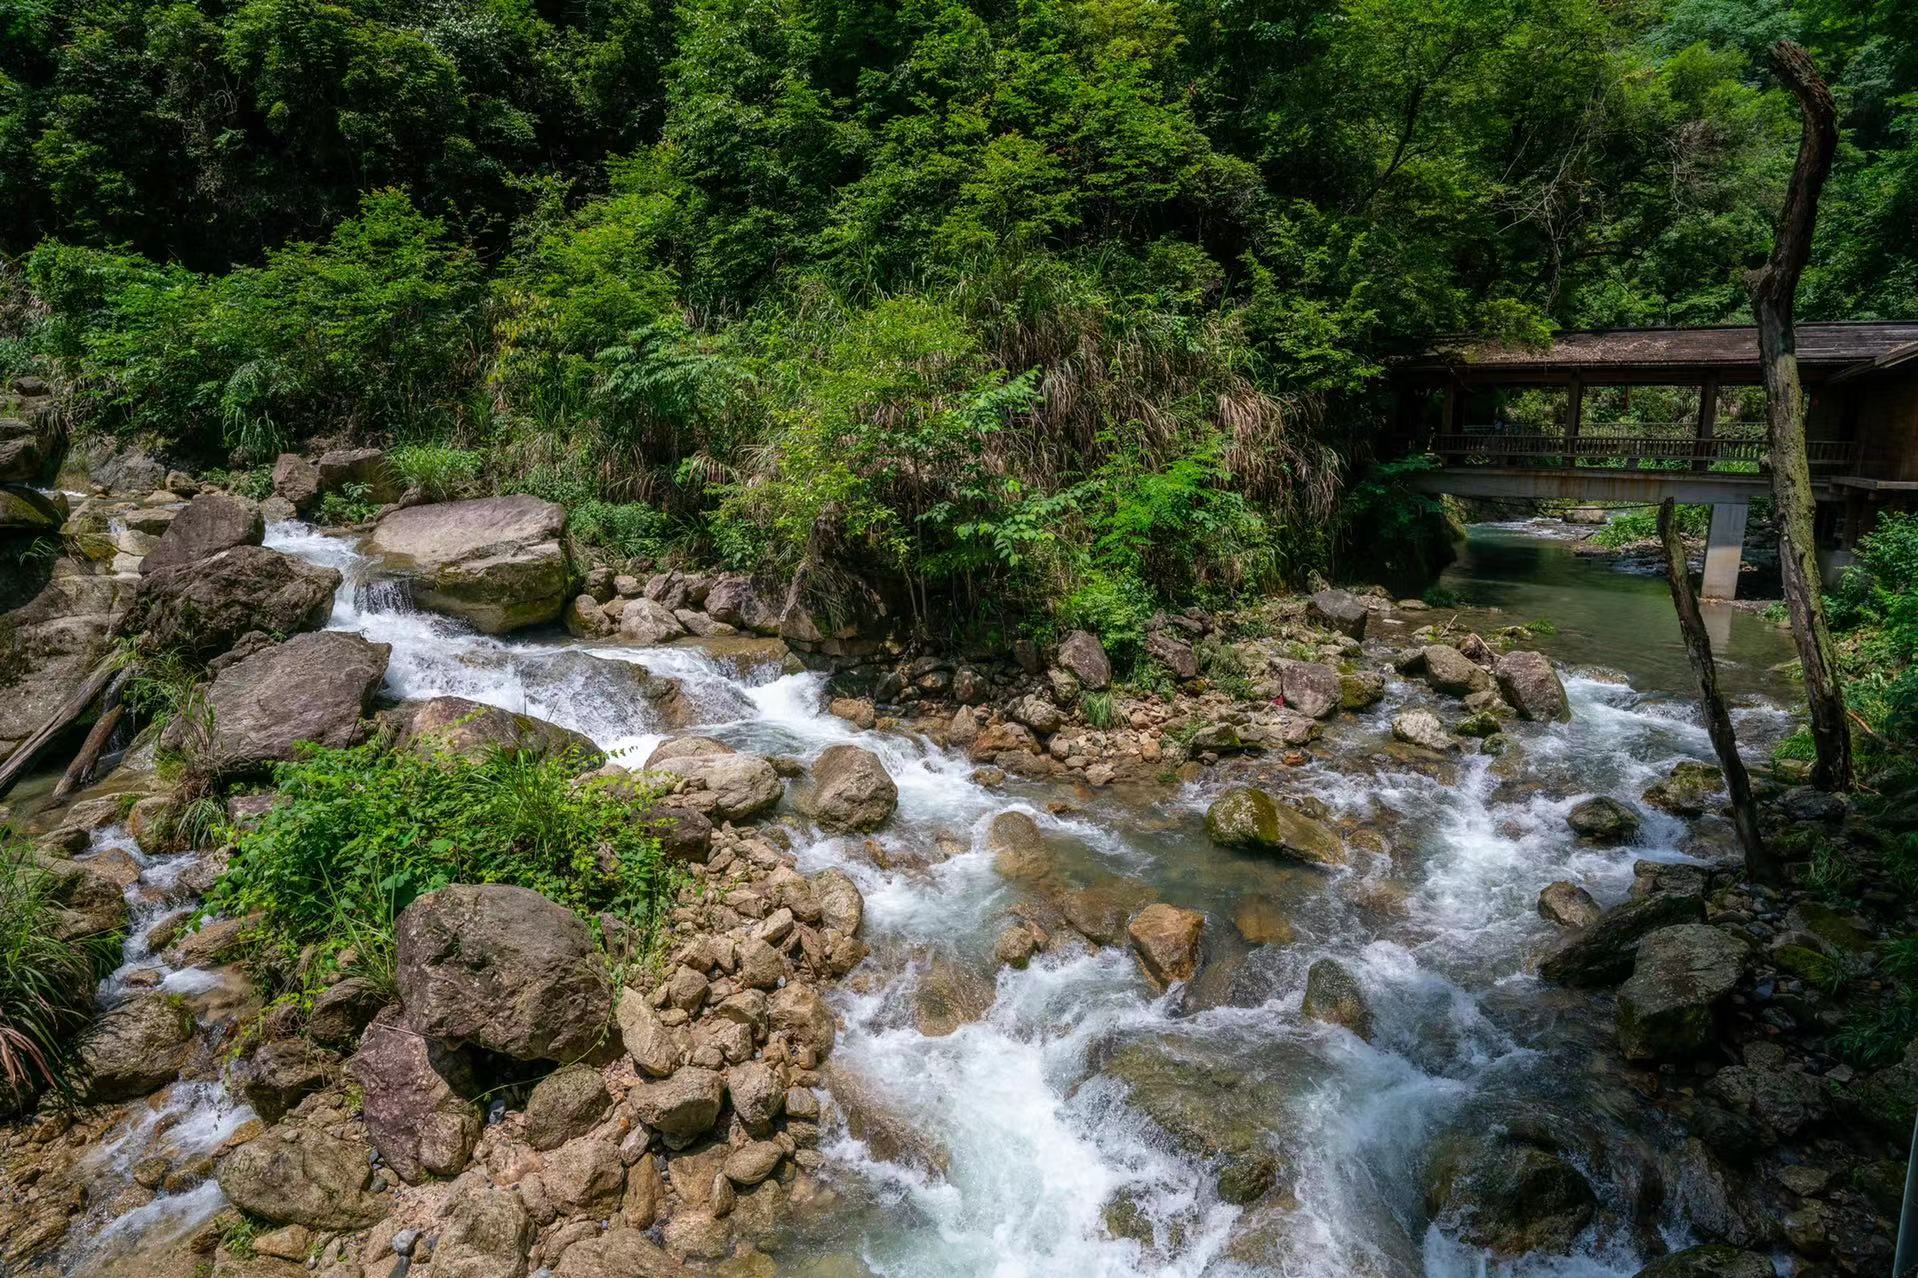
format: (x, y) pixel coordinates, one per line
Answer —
(1593, 484)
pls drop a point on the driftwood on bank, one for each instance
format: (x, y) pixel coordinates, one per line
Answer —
(1774, 291)
(1760, 866)
(68, 714)
(112, 710)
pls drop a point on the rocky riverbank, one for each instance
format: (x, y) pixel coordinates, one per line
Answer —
(533, 1090)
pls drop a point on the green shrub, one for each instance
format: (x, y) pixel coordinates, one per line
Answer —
(1098, 708)
(46, 982)
(363, 831)
(1635, 526)
(439, 471)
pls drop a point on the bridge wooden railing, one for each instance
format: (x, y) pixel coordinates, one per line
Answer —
(1651, 452)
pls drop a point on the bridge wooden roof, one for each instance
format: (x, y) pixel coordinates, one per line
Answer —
(1680, 354)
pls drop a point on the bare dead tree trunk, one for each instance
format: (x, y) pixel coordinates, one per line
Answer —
(1760, 865)
(1774, 290)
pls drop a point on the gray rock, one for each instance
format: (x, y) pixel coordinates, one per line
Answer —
(365, 468)
(1688, 790)
(415, 1105)
(756, 1096)
(24, 455)
(485, 1232)
(280, 1074)
(200, 610)
(1528, 682)
(296, 480)
(343, 1010)
(1603, 820)
(135, 1048)
(1173, 653)
(683, 1106)
(1037, 713)
(1603, 954)
(469, 729)
(654, 1049)
(1340, 611)
(497, 563)
(1452, 673)
(503, 968)
(566, 1103)
(1250, 820)
(1334, 995)
(1166, 939)
(29, 511)
(211, 522)
(726, 787)
(841, 907)
(1423, 729)
(1568, 905)
(1084, 657)
(1310, 687)
(1510, 1192)
(847, 789)
(302, 1176)
(314, 687)
(1668, 1009)
(647, 622)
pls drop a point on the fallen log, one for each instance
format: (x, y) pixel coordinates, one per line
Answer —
(69, 713)
(112, 709)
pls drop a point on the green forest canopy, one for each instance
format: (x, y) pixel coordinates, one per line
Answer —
(1074, 303)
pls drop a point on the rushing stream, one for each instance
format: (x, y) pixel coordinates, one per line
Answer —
(1028, 1105)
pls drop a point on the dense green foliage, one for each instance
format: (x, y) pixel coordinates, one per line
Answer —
(46, 980)
(359, 833)
(1072, 306)
(1875, 610)
(1632, 527)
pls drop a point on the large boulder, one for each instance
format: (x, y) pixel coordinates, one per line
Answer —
(1166, 940)
(1451, 672)
(1339, 610)
(1084, 657)
(1509, 1191)
(28, 510)
(646, 622)
(1603, 954)
(48, 647)
(1669, 1007)
(302, 1176)
(1175, 654)
(211, 522)
(484, 1232)
(367, 469)
(469, 729)
(296, 480)
(1526, 680)
(847, 788)
(416, 1104)
(725, 787)
(497, 563)
(740, 601)
(1211, 1108)
(201, 609)
(1018, 847)
(1603, 820)
(1310, 687)
(1333, 995)
(135, 1048)
(314, 687)
(1250, 820)
(502, 968)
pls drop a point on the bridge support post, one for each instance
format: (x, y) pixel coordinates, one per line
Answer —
(1724, 549)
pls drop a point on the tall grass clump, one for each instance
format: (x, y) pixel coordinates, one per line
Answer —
(46, 981)
(361, 832)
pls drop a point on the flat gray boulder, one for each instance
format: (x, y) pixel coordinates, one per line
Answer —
(1310, 687)
(211, 522)
(496, 563)
(723, 787)
(314, 687)
(201, 609)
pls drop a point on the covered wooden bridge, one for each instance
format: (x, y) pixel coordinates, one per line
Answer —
(1638, 415)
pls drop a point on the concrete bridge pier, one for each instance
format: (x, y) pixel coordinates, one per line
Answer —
(1724, 549)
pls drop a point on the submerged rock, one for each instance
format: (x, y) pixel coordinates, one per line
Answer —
(503, 968)
(1333, 995)
(1210, 1107)
(847, 788)
(947, 995)
(1509, 1191)
(1251, 820)
(497, 563)
(1668, 1009)
(1603, 820)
